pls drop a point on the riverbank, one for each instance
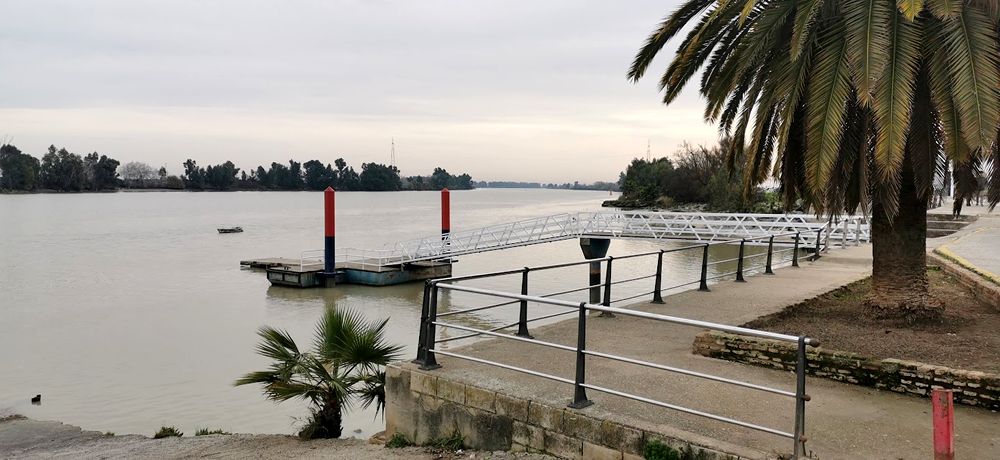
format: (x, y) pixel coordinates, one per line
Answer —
(22, 437)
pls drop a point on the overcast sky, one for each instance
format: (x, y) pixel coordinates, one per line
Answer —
(504, 90)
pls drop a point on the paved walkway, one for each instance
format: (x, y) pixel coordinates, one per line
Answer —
(843, 421)
(977, 246)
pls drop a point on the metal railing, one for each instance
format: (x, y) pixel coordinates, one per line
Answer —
(701, 227)
(429, 345)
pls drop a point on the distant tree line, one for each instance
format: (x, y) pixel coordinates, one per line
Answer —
(599, 185)
(58, 170)
(314, 175)
(697, 176)
(61, 170)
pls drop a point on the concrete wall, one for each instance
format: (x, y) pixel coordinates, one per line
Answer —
(424, 406)
(971, 387)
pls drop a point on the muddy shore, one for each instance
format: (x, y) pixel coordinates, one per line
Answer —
(22, 438)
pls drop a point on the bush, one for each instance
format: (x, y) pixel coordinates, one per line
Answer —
(453, 442)
(656, 450)
(397, 441)
(166, 432)
(206, 432)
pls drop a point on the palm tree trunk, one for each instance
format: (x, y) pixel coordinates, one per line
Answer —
(330, 416)
(899, 267)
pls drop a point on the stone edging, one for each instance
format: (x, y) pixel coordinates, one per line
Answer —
(423, 406)
(971, 388)
(984, 285)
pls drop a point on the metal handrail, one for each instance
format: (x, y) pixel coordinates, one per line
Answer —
(580, 400)
(701, 227)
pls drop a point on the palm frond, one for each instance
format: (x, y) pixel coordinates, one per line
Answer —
(924, 140)
(941, 87)
(830, 89)
(910, 8)
(893, 101)
(868, 43)
(973, 59)
(805, 18)
(945, 9)
(276, 344)
(666, 30)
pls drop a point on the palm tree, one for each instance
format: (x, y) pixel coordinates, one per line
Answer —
(848, 103)
(346, 364)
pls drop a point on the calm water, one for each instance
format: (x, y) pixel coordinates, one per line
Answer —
(127, 311)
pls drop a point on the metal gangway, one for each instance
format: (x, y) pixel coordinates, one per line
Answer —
(811, 232)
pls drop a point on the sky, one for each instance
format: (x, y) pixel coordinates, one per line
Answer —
(503, 90)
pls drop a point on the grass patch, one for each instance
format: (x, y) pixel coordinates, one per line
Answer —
(168, 432)
(453, 442)
(656, 450)
(206, 432)
(397, 441)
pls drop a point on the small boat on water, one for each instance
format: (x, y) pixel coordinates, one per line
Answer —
(231, 230)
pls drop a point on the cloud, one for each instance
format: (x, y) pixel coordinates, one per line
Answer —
(503, 90)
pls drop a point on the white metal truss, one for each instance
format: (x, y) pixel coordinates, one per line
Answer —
(691, 226)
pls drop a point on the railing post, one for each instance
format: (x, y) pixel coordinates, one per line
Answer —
(430, 362)
(800, 401)
(819, 241)
(657, 297)
(704, 270)
(795, 251)
(843, 238)
(943, 421)
(770, 252)
(739, 263)
(579, 392)
(607, 289)
(422, 333)
(522, 320)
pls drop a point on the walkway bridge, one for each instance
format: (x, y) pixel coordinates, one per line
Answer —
(693, 226)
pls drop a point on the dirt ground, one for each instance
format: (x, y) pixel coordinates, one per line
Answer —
(23, 438)
(966, 338)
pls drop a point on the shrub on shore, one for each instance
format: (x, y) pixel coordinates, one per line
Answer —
(346, 364)
(167, 432)
(206, 432)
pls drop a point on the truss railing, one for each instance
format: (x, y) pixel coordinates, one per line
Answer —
(701, 227)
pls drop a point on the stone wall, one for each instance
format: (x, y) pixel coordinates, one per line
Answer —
(972, 388)
(423, 406)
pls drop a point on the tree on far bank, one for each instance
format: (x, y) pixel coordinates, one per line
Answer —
(137, 174)
(379, 177)
(846, 103)
(62, 170)
(101, 172)
(18, 171)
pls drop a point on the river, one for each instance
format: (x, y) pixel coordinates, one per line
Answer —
(127, 311)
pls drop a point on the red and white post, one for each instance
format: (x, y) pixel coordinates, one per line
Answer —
(330, 232)
(943, 414)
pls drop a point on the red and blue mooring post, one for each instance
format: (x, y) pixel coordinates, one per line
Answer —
(330, 219)
(445, 213)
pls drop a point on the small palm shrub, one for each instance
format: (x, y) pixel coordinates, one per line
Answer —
(345, 365)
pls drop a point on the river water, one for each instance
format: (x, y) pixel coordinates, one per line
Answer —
(127, 311)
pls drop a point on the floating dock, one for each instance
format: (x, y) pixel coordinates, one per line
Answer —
(310, 273)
